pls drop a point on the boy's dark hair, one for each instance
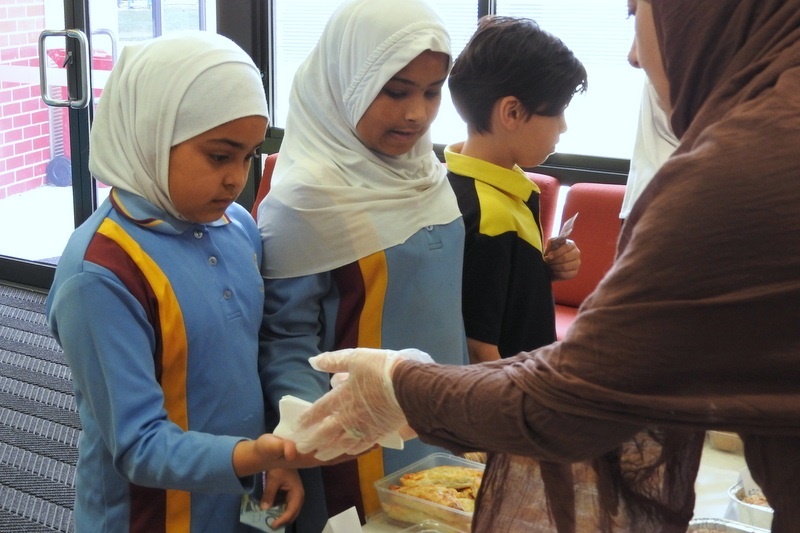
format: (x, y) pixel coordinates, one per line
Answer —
(511, 56)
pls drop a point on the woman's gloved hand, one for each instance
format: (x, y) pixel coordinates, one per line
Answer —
(360, 410)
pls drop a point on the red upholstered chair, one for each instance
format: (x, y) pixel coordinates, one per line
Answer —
(596, 232)
(549, 188)
(264, 184)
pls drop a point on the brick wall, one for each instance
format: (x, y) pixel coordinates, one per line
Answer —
(24, 118)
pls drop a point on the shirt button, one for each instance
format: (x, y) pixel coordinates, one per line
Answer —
(227, 294)
(212, 261)
(198, 234)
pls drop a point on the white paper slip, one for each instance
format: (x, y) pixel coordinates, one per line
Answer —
(344, 522)
(291, 408)
(566, 229)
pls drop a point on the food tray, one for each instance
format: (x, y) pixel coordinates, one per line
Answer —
(719, 525)
(748, 513)
(412, 510)
(430, 526)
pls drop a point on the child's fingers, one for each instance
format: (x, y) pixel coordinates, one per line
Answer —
(271, 487)
(294, 501)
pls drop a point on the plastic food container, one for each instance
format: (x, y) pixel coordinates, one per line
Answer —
(751, 514)
(413, 510)
(717, 525)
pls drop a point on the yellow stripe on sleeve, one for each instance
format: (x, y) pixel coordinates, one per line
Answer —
(375, 272)
(376, 278)
(174, 356)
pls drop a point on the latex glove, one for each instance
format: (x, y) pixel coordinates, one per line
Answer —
(339, 378)
(352, 417)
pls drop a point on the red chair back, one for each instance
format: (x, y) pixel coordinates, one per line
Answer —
(549, 188)
(596, 232)
(264, 184)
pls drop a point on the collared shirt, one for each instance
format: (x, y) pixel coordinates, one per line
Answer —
(159, 319)
(507, 295)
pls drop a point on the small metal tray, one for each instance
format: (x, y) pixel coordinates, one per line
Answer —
(430, 526)
(720, 525)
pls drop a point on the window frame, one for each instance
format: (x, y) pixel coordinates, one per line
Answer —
(568, 168)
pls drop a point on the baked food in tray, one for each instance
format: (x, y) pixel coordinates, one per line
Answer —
(449, 485)
(454, 476)
(441, 487)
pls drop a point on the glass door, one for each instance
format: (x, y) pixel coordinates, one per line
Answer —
(47, 100)
(36, 208)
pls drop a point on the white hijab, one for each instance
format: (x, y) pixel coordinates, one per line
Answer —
(654, 143)
(332, 200)
(163, 92)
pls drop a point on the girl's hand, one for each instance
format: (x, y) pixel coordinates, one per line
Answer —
(286, 482)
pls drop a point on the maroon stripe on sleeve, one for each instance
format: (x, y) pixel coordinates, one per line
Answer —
(352, 295)
(107, 253)
(148, 510)
(148, 506)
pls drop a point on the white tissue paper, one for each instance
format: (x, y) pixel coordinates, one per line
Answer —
(344, 522)
(291, 408)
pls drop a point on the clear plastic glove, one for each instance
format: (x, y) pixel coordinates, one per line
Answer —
(354, 416)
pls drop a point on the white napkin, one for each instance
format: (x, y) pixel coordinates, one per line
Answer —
(291, 408)
(344, 522)
(566, 229)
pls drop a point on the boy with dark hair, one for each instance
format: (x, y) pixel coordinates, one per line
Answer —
(511, 85)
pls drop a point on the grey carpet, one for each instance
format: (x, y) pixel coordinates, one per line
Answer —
(39, 425)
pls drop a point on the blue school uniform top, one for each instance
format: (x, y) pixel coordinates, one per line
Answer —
(158, 319)
(407, 296)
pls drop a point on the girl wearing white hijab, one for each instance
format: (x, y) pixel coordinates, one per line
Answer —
(157, 299)
(363, 238)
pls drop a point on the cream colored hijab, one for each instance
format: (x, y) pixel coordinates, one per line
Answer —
(161, 93)
(333, 201)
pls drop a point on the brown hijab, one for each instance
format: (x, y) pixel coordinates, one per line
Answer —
(694, 328)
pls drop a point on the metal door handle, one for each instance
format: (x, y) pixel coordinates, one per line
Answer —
(84, 65)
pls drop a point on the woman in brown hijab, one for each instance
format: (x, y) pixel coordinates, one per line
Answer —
(694, 328)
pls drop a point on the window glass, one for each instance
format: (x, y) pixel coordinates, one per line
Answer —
(461, 19)
(297, 29)
(37, 202)
(602, 121)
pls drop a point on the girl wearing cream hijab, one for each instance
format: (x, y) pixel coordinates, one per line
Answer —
(157, 298)
(363, 239)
